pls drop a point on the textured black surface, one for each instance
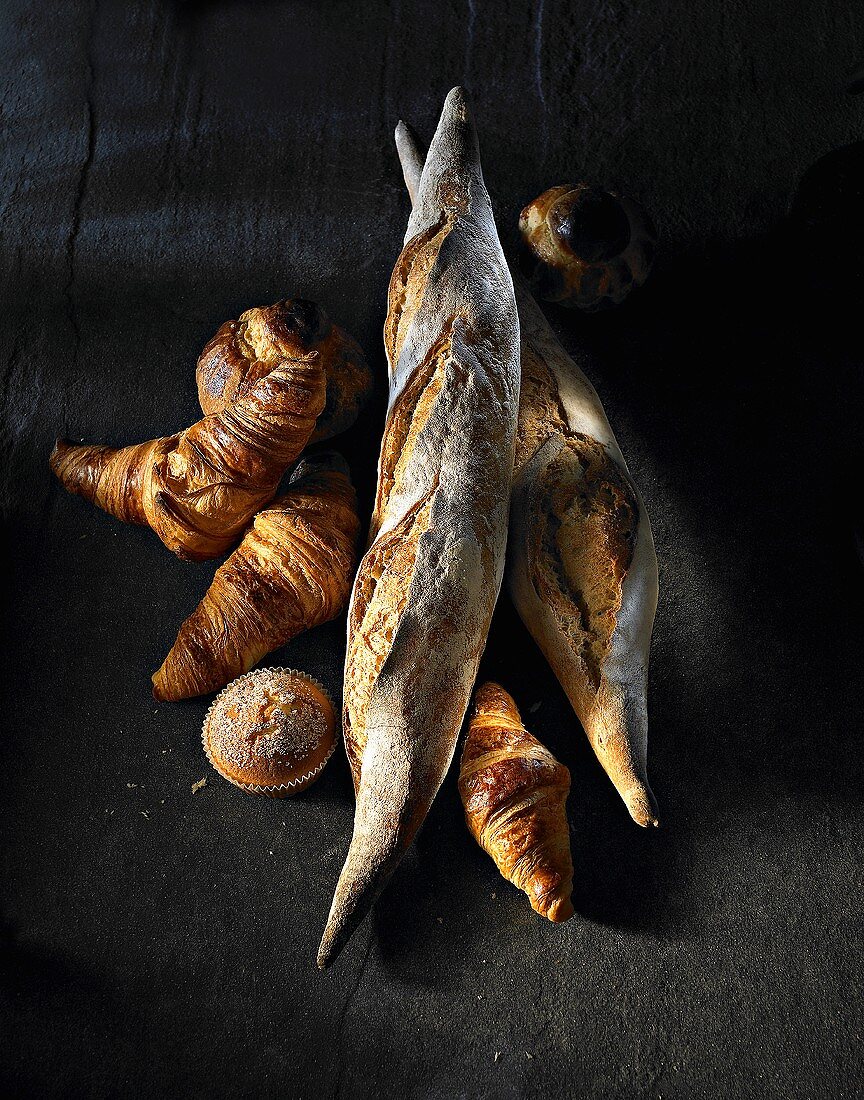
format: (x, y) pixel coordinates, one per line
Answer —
(165, 165)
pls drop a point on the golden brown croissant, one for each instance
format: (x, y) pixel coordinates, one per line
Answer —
(514, 790)
(198, 489)
(228, 367)
(292, 571)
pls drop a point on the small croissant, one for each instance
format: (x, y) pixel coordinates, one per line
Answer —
(292, 571)
(513, 792)
(199, 489)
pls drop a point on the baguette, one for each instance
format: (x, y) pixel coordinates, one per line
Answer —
(582, 570)
(426, 588)
(581, 566)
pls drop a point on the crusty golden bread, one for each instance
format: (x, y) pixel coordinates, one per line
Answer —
(199, 489)
(584, 247)
(581, 566)
(247, 349)
(426, 589)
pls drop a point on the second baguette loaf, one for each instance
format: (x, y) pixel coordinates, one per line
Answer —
(582, 570)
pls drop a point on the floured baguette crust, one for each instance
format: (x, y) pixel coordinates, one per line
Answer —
(581, 566)
(426, 589)
(583, 521)
(582, 570)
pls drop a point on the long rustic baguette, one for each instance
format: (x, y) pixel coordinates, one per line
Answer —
(581, 567)
(426, 589)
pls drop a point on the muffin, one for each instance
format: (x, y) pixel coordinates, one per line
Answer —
(270, 732)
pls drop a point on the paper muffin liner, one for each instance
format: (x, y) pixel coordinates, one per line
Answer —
(271, 790)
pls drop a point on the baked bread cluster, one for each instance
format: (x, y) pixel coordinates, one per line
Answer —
(494, 438)
(269, 383)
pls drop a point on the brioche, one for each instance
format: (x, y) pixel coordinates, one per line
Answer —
(584, 247)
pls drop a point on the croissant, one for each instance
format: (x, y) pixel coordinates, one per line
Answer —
(292, 571)
(513, 791)
(198, 489)
(228, 367)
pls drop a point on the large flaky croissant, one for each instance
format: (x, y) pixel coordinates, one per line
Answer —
(228, 368)
(513, 791)
(292, 571)
(199, 489)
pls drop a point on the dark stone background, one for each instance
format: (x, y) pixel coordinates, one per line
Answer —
(166, 165)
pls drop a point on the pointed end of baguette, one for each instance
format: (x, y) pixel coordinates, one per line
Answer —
(346, 913)
(376, 848)
(456, 103)
(359, 884)
(410, 157)
(642, 805)
(326, 953)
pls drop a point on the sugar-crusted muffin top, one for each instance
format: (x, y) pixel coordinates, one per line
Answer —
(270, 726)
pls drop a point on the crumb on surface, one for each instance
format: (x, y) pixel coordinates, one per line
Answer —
(196, 787)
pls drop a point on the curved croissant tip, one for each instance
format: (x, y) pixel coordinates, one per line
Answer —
(61, 446)
(561, 910)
